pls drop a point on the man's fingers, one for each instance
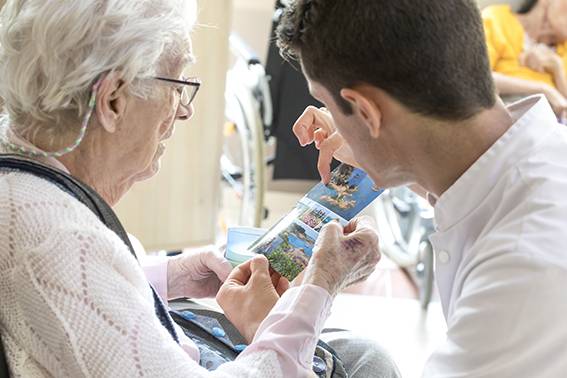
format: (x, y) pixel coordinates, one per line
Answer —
(309, 122)
(304, 127)
(319, 136)
(327, 149)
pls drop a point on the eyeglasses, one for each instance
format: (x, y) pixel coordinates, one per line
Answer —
(187, 89)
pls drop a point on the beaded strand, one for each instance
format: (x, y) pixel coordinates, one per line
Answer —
(38, 153)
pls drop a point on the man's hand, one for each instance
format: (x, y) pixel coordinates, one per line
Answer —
(317, 126)
(249, 294)
(196, 273)
(343, 256)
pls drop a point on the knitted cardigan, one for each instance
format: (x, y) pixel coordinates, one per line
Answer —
(75, 302)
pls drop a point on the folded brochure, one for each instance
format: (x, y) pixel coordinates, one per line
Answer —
(288, 245)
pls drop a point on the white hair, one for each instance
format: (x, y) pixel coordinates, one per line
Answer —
(53, 51)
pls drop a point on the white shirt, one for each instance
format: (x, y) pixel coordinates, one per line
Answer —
(501, 255)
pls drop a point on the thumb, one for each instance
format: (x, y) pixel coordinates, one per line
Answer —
(260, 265)
(332, 230)
(260, 268)
(218, 264)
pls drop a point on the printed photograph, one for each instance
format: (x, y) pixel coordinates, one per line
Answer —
(316, 216)
(288, 245)
(289, 250)
(347, 194)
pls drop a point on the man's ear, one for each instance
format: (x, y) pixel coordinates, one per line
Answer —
(111, 99)
(364, 108)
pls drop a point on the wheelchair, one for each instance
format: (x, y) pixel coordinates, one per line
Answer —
(248, 114)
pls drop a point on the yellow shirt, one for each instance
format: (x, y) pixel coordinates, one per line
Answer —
(505, 37)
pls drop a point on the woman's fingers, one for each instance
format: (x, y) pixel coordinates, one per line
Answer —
(240, 275)
(282, 286)
(217, 264)
(360, 224)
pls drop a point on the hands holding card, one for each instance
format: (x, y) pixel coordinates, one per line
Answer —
(320, 242)
(290, 243)
(343, 255)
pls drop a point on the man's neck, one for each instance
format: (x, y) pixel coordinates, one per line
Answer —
(454, 147)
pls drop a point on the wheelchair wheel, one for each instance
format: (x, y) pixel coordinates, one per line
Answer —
(405, 222)
(248, 113)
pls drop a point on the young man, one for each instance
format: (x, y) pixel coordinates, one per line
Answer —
(410, 98)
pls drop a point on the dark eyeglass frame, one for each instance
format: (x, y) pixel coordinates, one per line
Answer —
(192, 83)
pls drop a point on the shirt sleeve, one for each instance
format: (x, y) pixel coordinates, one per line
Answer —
(293, 327)
(301, 311)
(155, 269)
(500, 326)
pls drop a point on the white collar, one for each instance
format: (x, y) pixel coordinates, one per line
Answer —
(535, 120)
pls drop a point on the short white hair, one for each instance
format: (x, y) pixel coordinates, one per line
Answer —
(53, 51)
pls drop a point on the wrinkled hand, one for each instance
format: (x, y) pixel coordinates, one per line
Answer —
(541, 58)
(197, 273)
(249, 294)
(317, 126)
(343, 256)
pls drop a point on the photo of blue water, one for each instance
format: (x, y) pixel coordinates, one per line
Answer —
(299, 243)
(348, 193)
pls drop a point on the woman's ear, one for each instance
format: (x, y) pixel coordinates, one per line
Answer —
(111, 99)
(365, 109)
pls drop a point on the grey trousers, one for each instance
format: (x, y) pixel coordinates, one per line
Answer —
(362, 358)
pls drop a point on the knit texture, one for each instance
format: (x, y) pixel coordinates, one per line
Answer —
(74, 301)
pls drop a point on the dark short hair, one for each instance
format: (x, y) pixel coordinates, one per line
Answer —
(430, 55)
(527, 6)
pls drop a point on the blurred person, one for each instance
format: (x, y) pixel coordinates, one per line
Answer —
(528, 50)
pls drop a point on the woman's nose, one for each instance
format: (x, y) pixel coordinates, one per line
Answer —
(184, 113)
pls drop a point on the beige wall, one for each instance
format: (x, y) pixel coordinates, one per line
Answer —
(179, 207)
(253, 22)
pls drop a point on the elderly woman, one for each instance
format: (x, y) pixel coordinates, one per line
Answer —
(528, 50)
(93, 88)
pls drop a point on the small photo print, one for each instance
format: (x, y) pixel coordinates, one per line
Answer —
(289, 244)
(289, 250)
(316, 216)
(347, 194)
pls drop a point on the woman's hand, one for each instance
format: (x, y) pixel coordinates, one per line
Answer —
(557, 101)
(541, 58)
(343, 256)
(197, 273)
(317, 126)
(249, 294)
